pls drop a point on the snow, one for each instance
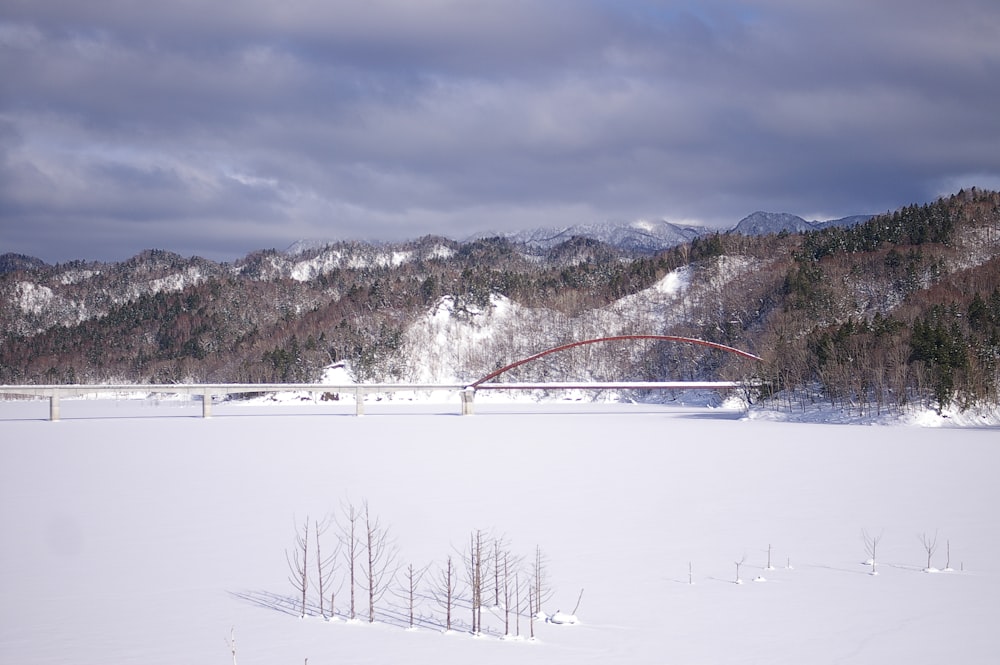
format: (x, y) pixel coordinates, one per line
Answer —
(33, 298)
(76, 276)
(135, 531)
(450, 331)
(171, 283)
(562, 618)
(325, 262)
(440, 252)
(331, 259)
(674, 283)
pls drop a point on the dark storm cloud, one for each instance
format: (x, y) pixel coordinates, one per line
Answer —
(218, 128)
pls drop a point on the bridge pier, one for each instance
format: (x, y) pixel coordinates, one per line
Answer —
(54, 406)
(206, 404)
(468, 397)
(359, 402)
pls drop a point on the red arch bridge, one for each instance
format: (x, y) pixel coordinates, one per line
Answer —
(207, 391)
(486, 383)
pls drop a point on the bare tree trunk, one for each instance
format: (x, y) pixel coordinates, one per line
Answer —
(506, 597)
(871, 543)
(473, 582)
(496, 572)
(450, 594)
(578, 600)
(476, 578)
(531, 615)
(231, 642)
(479, 581)
(539, 581)
(930, 546)
(445, 592)
(381, 555)
(409, 594)
(298, 563)
(517, 612)
(324, 567)
(351, 546)
(370, 549)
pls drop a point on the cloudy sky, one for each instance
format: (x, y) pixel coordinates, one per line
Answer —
(216, 128)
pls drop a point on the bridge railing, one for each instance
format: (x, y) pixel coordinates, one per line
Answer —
(209, 391)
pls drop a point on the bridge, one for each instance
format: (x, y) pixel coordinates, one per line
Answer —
(209, 391)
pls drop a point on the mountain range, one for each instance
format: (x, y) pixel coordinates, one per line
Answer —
(901, 308)
(764, 223)
(634, 237)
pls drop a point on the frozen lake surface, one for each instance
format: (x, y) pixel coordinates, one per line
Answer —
(139, 532)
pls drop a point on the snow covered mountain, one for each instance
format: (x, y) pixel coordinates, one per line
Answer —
(399, 312)
(641, 236)
(763, 223)
(10, 262)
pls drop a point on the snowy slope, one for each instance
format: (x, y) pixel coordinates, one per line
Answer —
(454, 340)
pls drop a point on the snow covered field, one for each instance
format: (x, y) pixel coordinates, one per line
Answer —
(140, 533)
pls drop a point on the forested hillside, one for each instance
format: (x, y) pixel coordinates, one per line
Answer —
(901, 309)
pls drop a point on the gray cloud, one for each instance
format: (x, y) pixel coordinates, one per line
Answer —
(218, 128)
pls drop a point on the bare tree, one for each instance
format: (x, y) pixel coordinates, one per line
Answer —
(506, 592)
(379, 568)
(539, 579)
(350, 542)
(298, 562)
(444, 593)
(324, 567)
(472, 578)
(531, 615)
(411, 578)
(577, 606)
(930, 546)
(871, 544)
(476, 575)
(517, 599)
(499, 556)
(505, 580)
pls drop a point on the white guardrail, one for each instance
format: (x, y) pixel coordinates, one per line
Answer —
(209, 391)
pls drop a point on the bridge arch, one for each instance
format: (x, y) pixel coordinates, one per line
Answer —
(661, 338)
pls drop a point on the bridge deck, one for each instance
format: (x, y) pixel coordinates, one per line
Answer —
(613, 385)
(208, 391)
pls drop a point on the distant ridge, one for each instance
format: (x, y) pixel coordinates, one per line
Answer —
(764, 223)
(643, 237)
(635, 237)
(11, 262)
